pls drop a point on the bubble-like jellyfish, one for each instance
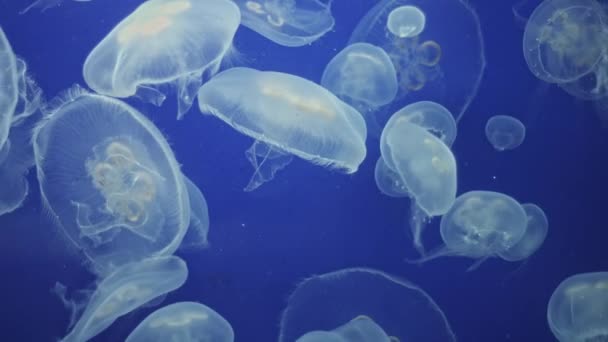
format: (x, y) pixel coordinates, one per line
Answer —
(422, 165)
(563, 39)
(363, 76)
(124, 290)
(286, 115)
(339, 299)
(184, 322)
(288, 22)
(434, 61)
(505, 132)
(578, 308)
(196, 236)
(536, 231)
(359, 329)
(110, 180)
(480, 225)
(163, 42)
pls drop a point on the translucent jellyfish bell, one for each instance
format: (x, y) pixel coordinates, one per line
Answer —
(196, 236)
(433, 117)
(163, 42)
(288, 22)
(359, 329)
(536, 232)
(441, 63)
(8, 82)
(563, 39)
(389, 182)
(123, 291)
(578, 308)
(406, 21)
(110, 180)
(184, 322)
(505, 132)
(338, 299)
(313, 124)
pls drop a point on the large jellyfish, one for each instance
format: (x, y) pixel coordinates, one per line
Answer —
(196, 236)
(8, 81)
(286, 115)
(505, 132)
(339, 299)
(110, 180)
(434, 59)
(184, 322)
(124, 290)
(419, 165)
(163, 42)
(359, 329)
(536, 232)
(288, 22)
(578, 308)
(480, 225)
(363, 76)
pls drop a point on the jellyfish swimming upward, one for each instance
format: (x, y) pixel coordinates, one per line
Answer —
(163, 42)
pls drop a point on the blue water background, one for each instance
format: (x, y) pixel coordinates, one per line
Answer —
(310, 220)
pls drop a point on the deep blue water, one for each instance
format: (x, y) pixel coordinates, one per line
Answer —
(309, 220)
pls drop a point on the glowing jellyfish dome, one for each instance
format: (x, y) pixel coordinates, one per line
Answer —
(110, 180)
(436, 58)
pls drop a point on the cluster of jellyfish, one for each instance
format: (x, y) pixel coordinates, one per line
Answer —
(110, 180)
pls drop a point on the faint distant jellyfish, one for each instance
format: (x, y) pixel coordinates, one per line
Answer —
(563, 39)
(184, 322)
(480, 225)
(327, 302)
(163, 42)
(536, 232)
(418, 46)
(578, 308)
(313, 124)
(406, 21)
(124, 290)
(288, 22)
(196, 236)
(359, 329)
(110, 180)
(505, 132)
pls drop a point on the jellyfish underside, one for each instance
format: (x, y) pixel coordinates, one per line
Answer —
(415, 63)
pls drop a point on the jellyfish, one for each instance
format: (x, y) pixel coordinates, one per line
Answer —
(185, 322)
(415, 36)
(288, 22)
(359, 329)
(110, 180)
(9, 93)
(388, 181)
(578, 308)
(593, 85)
(363, 76)
(286, 115)
(563, 39)
(196, 236)
(124, 290)
(480, 225)
(423, 169)
(361, 297)
(433, 117)
(505, 132)
(536, 232)
(163, 42)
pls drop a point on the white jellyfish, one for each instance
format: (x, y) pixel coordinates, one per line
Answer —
(313, 124)
(163, 42)
(536, 231)
(110, 180)
(196, 236)
(505, 132)
(406, 21)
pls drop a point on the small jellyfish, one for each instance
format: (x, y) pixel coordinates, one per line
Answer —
(359, 329)
(434, 61)
(578, 308)
(480, 225)
(110, 180)
(313, 124)
(368, 299)
(163, 42)
(433, 117)
(388, 181)
(288, 22)
(184, 322)
(563, 39)
(536, 232)
(505, 132)
(406, 21)
(196, 236)
(124, 290)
